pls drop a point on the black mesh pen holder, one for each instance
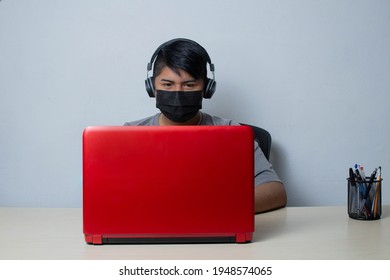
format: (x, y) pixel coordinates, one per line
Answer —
(365, 199)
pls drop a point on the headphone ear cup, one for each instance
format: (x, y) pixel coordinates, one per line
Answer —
(210, 88)
(149, 87)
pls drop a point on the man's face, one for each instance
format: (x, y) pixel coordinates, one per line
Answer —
(169, 80)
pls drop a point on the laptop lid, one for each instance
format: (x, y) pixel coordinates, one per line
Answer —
(168, 184)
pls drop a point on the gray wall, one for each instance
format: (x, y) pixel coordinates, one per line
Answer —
(314, 73)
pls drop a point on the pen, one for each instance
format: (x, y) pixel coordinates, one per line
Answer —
(360, 180)
(362, 188)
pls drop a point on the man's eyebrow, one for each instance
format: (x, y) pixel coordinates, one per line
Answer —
(166, 80)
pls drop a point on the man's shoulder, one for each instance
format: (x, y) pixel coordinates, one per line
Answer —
(152, 120)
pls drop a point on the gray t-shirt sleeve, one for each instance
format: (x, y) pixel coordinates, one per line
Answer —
(264, 172)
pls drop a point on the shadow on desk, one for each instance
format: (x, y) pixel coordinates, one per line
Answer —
(290, 221)
(269, 225)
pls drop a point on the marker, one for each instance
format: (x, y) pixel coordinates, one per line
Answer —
(377, 192)
(361, 170)
(352, 177)
(353, 192)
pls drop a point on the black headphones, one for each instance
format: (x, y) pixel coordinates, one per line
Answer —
(210, 86)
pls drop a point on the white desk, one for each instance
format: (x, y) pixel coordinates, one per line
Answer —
(291, 233)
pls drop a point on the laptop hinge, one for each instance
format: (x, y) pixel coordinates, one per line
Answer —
(168, 240)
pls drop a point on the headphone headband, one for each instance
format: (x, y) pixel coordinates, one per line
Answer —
(155, 54)
(211, 84)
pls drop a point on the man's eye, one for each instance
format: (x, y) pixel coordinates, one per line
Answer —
(167, 84)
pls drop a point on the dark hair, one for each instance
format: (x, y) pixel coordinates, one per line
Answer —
(184, 55)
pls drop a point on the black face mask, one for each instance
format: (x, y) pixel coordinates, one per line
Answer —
(179, 106)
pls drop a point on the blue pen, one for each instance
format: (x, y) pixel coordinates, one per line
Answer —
(360, 182)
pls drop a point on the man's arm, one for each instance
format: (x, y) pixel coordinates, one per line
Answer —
(269, 196)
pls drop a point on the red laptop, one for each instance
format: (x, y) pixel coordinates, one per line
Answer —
(168, 184)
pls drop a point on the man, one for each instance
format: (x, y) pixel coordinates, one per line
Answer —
(179, 83)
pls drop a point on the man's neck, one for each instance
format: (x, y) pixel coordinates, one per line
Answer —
(196, 120)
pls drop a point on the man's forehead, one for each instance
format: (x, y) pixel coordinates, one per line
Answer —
(168, 73)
